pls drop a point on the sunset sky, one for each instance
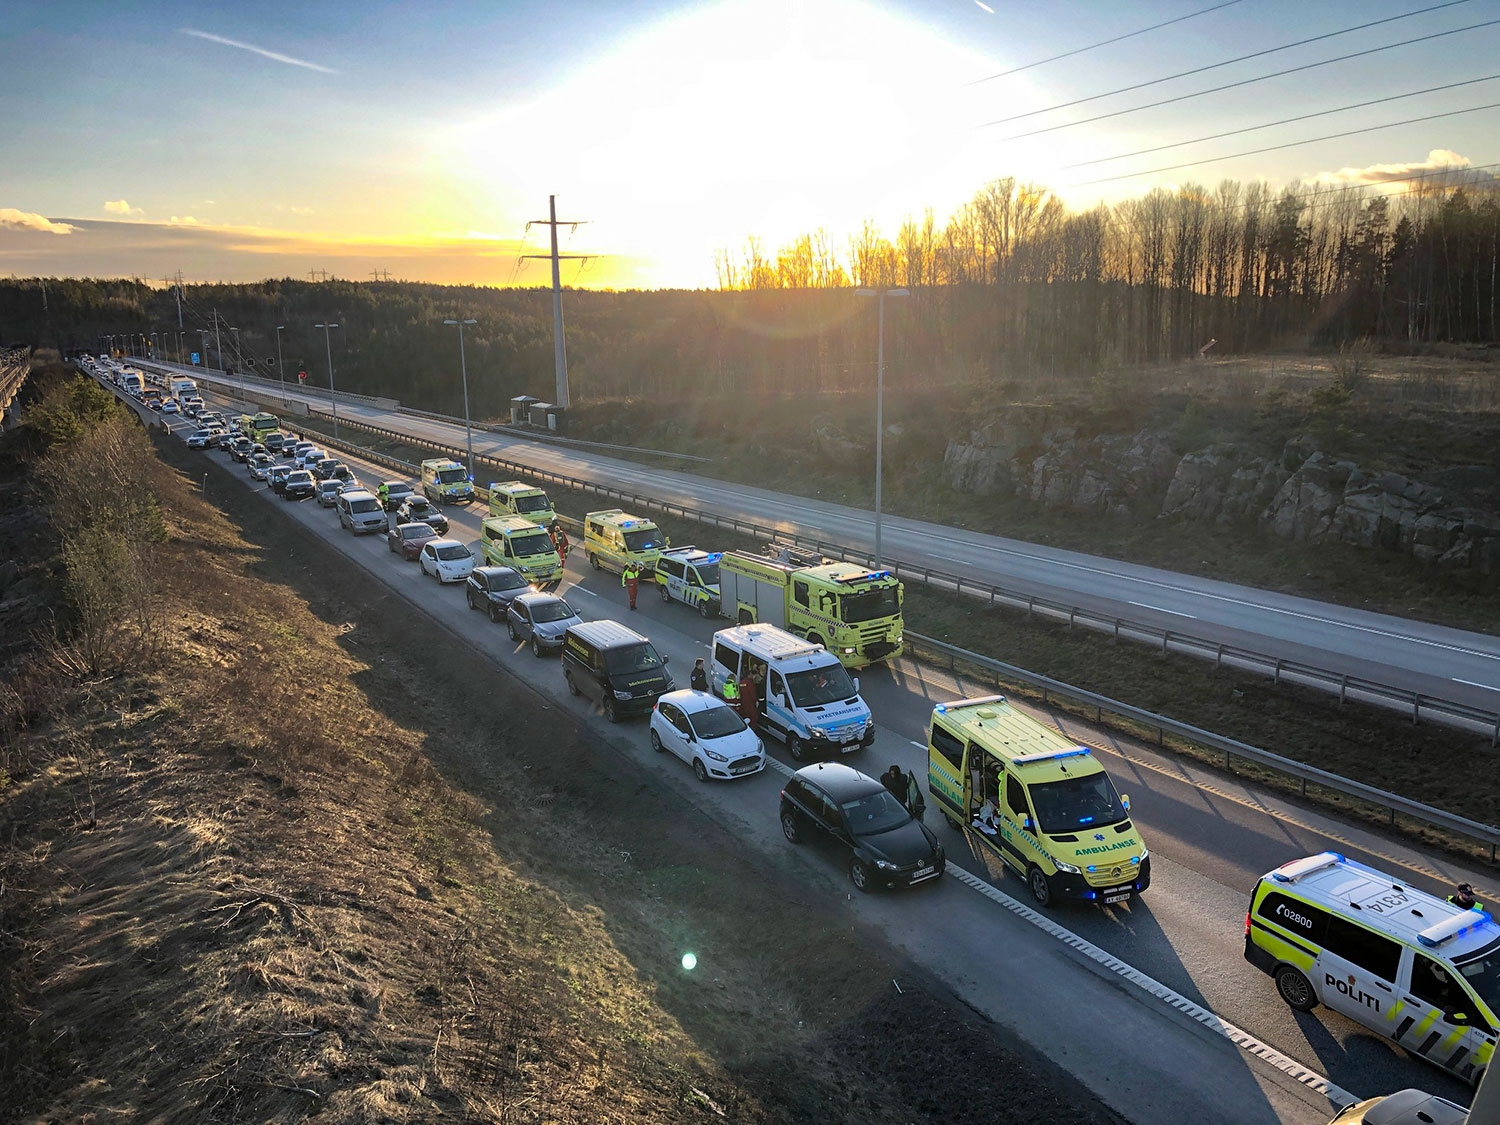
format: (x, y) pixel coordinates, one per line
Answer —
(237, 141)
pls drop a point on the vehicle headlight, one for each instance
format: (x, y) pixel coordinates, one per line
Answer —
(1145, 855)
(622, 695)
(715, 756)
(847, 651)
(1068, 867)
(885, 865)
(819, 732)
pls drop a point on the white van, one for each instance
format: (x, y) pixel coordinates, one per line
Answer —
(804, 695)
(360, 511)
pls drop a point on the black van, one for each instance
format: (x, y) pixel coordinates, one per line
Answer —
(604, 660)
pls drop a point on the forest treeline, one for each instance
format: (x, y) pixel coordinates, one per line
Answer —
(1014, 284)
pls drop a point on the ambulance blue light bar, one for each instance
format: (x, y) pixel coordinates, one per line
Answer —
(944, 708)
(1076, 752)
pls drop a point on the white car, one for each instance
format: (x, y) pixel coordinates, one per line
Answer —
(313, 454)
(707, 733)
(447, 560)
(199, 439)
(171, 407)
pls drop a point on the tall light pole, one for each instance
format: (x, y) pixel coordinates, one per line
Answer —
(880, 295)
(463, 368)
(238, 360)
(332, 398)
(280, 370)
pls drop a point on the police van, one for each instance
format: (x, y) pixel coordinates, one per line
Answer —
(690, 576)
(1422, 972)
(1035, 799)
(513, 498)
(804, 695)
(612, 539)
(522, 545)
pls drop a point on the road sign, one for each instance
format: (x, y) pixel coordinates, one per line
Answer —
(302, 376)
(195, 359)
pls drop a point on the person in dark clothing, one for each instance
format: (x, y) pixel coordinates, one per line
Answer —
(699, 678)
(894, 780)
(1464, 897)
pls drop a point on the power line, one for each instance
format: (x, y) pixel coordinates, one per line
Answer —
(1103, 43)
(1283, 121)
(1289, 144)
(1230, 62)
(1248, 81)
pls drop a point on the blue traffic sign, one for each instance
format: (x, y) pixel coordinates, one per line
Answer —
(195, 359)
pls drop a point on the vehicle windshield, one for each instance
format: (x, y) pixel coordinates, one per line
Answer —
(452, 476)
(510, 580)
(644, 540)
(716, 722)
(634, 658)
(536, 543)
(299, 477)
(360, 506)
(708, 573)
(399, 491)
(817, 686)
(452, 553)
(1483, 975)
(552, 611)
(532, 504)
(417, 531)
(1076, 803)
(879, 812)
(871, 604)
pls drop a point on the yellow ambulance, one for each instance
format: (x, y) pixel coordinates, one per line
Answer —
(521, 545)
(1035, 799)
(513, 498)
(613, 538)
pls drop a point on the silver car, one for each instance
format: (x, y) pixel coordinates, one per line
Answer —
(329, 491)
(544, 619)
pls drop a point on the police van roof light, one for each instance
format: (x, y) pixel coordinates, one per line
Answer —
(1291, 872)
(1450, 928)
(1076, 752)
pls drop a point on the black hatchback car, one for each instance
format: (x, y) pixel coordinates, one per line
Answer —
(416, 508)
(492, 588)
(299, 485)
(885, 845)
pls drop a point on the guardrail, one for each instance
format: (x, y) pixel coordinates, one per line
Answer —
(1416, 704)
(1002, 673)
(266, 386)
(1393, 803)
(15, 365)
(528, 433)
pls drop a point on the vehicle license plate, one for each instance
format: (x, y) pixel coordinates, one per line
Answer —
(919, 872)
(1115, 898)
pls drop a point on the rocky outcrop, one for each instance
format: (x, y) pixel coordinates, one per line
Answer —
(1302, 494)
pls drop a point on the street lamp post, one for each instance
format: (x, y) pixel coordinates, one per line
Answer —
(280, 370)
(332, 398)
(880, 295)
(464, 372)
(239, 360)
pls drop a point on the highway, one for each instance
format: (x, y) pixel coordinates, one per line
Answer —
(1210, 838)
(1443, 663)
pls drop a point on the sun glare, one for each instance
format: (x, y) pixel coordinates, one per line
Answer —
(767, 118)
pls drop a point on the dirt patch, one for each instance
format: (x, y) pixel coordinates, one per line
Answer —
(287, 872)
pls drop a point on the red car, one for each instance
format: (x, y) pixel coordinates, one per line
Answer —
(409, 539)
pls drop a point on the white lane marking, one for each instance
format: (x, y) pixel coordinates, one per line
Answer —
(1471, 683)
(582, 590)
(1159, 609)
(1215, 1023)
(948, 558)
(1153, 988)
(918, 745)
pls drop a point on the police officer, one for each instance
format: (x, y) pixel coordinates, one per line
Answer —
(1464, 897)
(699, 678)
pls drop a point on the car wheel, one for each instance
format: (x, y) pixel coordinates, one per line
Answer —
(510, 627)
(572, 687)
(859, 875)
(536, 645)
(796, 748)
(1041, 890)
(594, 561)
(746, 618)
(700, 770)
(814, 639)
(656, 743)
(666, 595)
(469, 597)
(953, 820)
(611, 714)
(703, 609)
(791, 827)
(494, 613)
(1296, 989)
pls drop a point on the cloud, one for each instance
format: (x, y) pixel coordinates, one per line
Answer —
(273, 55)
(120, 207)
(11, 219)
(184, 221)
(1439, 160)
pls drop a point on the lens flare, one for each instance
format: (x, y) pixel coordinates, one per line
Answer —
(689, 961)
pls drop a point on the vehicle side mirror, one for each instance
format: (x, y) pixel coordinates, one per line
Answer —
(666, 660)
(1125, 801)
(856, 685)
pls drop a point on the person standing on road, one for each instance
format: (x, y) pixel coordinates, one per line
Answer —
(1464, 898)
(630, 578)
(698, 681)
(895, 781)
(747, 701)
(560, 539)
(731, 692)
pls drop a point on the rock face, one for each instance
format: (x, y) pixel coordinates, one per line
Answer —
(1302, 494)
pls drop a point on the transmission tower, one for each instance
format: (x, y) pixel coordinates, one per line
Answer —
(560, 352)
